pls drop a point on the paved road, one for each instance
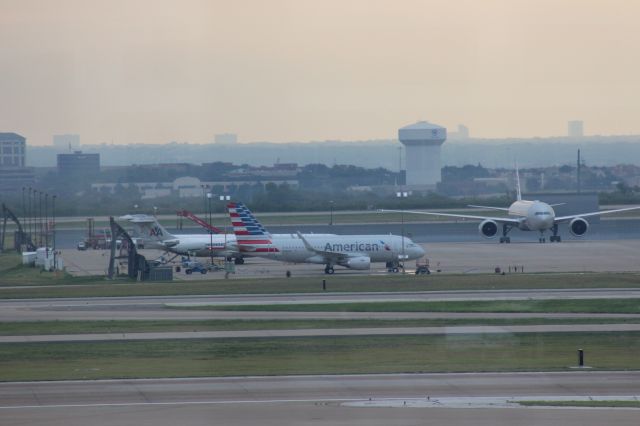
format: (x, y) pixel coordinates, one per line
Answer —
(317, 400)
(154, 307)
(325, 332)
(160, 313)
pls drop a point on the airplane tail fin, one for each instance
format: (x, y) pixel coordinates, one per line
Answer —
(149, 227)
(251, 236)
(519, 191)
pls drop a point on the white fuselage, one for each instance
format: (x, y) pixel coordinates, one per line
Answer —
(533, 215)
(379, 248)
(201, 245)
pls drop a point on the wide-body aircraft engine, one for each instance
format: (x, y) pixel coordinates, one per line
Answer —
(488, 228)
(578, 227)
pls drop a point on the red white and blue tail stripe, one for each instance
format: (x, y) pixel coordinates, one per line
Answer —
(250, 234)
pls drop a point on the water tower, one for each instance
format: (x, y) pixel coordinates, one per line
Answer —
(422, 142)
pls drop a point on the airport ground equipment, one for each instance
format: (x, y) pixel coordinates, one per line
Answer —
(192, 217)
(423, 267)
(237, 258)
(21, 238)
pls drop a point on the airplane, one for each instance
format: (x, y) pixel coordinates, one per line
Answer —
(350, 251)
(199, 245)
(526, 215)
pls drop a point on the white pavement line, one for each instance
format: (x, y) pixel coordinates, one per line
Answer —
(135, 404)
(489, 402)
(317, 332)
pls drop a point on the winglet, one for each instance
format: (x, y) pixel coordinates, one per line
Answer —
(305, 242)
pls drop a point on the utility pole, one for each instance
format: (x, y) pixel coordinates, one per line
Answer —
(29, 214)
(209, 195)
(578, 172)
(53, 235)
(402, 194)
(46, 226)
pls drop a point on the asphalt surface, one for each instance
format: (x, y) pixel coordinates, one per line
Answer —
(425, 232)
(470, 257)
(320, 332)
(154, 307)
(318, 400)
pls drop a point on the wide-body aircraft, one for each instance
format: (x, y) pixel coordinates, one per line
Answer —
(526, 215)
(349, 251)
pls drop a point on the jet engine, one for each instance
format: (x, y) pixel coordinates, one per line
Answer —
(358, 262)
(578, 227)
(488, 228)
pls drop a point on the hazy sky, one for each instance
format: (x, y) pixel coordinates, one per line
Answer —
(155, 71)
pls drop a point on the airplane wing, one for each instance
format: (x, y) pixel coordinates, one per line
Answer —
(502, 209)
(333, 255)
(460, 216)
(573, 216)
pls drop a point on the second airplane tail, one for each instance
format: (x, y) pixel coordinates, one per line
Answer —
(150, 229)
(251, 236)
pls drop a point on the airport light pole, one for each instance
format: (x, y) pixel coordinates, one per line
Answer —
(224, 198)
(46, 225)
(53, 235)
(209, 196)
(204, 196)
(29, 215)
(40, 218)
(402, 194)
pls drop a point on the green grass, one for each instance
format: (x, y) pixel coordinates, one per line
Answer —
(618, 306)
(322, 355)
(593, 404)
(143, 326)
(96, 286)
(14, 273)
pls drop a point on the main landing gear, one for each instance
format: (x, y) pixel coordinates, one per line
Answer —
(555, 238)
(328, 270)
(505, 230)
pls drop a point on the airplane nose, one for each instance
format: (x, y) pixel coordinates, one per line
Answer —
(420, 251)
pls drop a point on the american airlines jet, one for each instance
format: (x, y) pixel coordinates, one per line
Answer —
(156, 236)
(526, 215)
(199, 245)
(349, 251)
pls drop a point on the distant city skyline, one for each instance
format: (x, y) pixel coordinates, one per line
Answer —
(146, 71)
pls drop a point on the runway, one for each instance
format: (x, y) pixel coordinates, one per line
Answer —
(321, 400)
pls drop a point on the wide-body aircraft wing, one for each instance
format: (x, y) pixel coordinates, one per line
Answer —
(598, 213)
(510, 220)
